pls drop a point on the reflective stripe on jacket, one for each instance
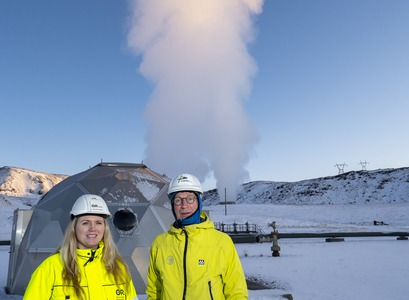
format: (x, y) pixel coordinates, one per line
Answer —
(196, 262)
(47, 283)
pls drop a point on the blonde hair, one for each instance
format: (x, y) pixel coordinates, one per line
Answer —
(114, 263)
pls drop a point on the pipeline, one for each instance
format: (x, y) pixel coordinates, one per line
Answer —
(261, 238)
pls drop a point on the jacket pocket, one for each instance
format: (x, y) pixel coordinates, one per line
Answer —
(215, 287)
(116, 292)
(63, 293)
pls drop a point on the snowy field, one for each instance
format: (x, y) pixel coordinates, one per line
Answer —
(375, 268)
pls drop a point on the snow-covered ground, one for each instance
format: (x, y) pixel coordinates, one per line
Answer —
(375, 268)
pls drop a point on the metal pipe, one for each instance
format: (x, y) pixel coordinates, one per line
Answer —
(268, 237)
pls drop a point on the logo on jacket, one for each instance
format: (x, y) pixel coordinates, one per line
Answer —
(120, 292)
(201, 262)
(170, 260)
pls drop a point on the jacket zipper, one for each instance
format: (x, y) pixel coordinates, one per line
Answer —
(184, 266)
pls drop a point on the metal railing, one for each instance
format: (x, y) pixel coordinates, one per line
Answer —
(236, 228)
(253, 233)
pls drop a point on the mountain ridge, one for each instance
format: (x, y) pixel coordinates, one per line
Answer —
(22, 188)
(354, 187)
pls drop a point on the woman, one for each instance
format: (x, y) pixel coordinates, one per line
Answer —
(88, 264)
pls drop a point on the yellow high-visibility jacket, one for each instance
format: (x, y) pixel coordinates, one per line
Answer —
(47, 282)
(194, 263)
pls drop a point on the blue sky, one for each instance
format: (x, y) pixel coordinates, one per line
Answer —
(331, 87)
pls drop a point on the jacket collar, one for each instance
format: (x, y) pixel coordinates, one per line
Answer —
(193, 228)
(87, 254)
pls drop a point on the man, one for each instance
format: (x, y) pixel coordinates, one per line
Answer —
(193, 260)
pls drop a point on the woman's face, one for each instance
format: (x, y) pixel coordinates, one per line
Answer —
(89, 231)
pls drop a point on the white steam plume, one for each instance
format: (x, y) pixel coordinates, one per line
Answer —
(195, 53)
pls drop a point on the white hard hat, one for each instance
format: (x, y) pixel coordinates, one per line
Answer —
(89, 205)
(184, 182)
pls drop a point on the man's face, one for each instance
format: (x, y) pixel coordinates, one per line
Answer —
(185, 204)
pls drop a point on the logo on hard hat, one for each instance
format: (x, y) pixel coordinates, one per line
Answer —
(181, 177)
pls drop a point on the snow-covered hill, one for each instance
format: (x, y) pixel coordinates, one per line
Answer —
(22, 188)
(355, 187)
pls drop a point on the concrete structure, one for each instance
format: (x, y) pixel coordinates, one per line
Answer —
(136, 197)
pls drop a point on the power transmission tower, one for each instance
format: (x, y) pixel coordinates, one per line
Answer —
(340, 167)
(363, 164)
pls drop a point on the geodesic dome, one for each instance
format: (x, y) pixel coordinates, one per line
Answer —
(136, 197)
